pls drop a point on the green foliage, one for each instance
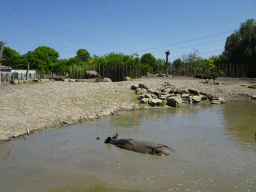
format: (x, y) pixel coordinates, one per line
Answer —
(240, 47)
(83, 55)
(43, 59)
(150, 60)
(14, 59)
(177, 63)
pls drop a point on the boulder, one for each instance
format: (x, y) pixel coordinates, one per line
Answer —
(28, 81)
(79, 80)
(211, 97)
(196, 99)
(141, 85)
(140, 91)
(145, 100)
(218, 102)
(182, 90)
(253, 96)
(141, 96)
(164, 97)
(150, 90)
(127, 79)
(221, 100)
(44, 80)
(203, 97)
(216, 83)
(107, 80)
(194, 92)
(154, 96)
(148, 96)
(134, 87)
(71, 80)
(173, 89)
(155, 102)
(174, 101)
(36, 80)
(157, 93)
(14, 82)
(20, 81)
(184, 95)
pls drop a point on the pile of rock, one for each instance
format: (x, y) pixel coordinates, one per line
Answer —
(171, 95)
(252, 86)
(157, 75)
(198, 75)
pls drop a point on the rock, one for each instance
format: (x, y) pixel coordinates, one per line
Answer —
(140, 91)
(145, 100)
(202, 93)
(141, 96)
(194, 92)
(58, 78)
(148, 96)
(216, 83)
(14, 82)
(20, 81)
(79, 80)
(134, 87)
(242, 85)
(44, 80)
(154, 96)
(218, 102)
(221, 100)
(174, 101)
(196, 99)
(36, 80)
(127, 79)
(71, 80)
(141, 85)
(182, 90)
(107, 80)
(184, 95)
(28, 81)
(164, 97)
(210, 97)
(150, 90)
(206, 81)
(167, 90)
(253, 96)
(155, 102)
(157, 93)
(203, 97)
(173, 89)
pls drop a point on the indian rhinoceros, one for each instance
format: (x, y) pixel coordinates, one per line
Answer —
(92, 74)
(144, 147)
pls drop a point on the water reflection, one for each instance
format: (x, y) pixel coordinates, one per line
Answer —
(240, 122)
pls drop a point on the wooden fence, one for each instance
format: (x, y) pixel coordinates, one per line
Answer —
(8, 76)
(114, 72)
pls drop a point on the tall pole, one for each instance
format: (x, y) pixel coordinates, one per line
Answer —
(1, 56)
(166, 64)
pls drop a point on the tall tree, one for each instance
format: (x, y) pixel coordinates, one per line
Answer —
(240, 46)
(42, 58)
(83, 55)
(13, 59)
(149, 59)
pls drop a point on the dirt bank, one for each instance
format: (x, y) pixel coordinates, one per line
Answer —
(35, 107)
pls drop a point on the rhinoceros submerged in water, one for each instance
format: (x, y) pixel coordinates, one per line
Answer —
(144, 147)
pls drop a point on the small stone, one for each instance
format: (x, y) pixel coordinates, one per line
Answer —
(196, 99)
(218, 102)
(253, 96)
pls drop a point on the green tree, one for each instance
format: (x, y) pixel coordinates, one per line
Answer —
(149, 59)
(240, 47)
(42, 58)
(177, 63)
(13, 59)
(83, 55)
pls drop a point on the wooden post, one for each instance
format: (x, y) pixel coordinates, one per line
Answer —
(123, 71)
(99, 69)
(103, 72)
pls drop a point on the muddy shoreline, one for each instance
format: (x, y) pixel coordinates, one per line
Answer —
(35, 107)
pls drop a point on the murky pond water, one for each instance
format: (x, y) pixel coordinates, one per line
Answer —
(215, 151)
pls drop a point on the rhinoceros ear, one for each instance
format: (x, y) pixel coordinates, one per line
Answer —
(107, 140)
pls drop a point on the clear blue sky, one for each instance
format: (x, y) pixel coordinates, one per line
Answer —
(127, 26)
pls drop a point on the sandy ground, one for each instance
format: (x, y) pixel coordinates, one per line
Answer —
(40, 106)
